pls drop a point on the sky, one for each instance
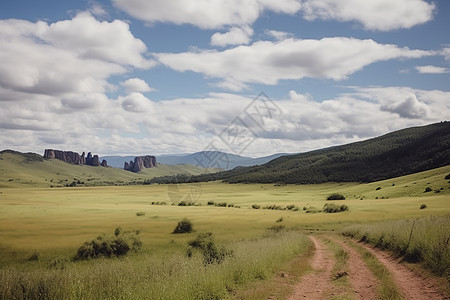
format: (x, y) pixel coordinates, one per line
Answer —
(249, 77)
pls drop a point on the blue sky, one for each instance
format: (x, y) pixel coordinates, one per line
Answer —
(150, 77)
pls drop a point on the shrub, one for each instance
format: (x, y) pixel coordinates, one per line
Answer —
(211, 203)
(333, 208)
(118, 244)
(221, 204)
(280, 220)
(423, 206)
(186, 203)
(140, 213)
(34, 256)
(447, 177)
(256, 206)
(290, 207)
(273, 207)
(276, 228)
(311, 210)
(184, 226)
(211, 251)
(428, 189)
(58, 263)
(336, 196)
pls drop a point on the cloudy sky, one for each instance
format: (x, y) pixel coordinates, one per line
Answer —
(253, 77)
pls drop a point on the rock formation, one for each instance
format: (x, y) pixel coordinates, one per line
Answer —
(67, 156)
(140, 162)
(104, 163)
(74, 158)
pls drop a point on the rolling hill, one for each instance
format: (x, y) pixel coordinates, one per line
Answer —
(32, 170)
(395, 154)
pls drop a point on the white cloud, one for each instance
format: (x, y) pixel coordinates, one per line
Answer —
(267, 62)
(136, 102)
(409, 103)
(206, 14)
(92, 39)
(409, 107)
(235, 36)
(136, 85)
(133, 124)
(446, 53)
(97, 9)
(380, 15)
(71, 56)
(278, 35)
(429, 69)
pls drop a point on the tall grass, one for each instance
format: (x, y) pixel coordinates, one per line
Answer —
(143, 276)
(423, 240)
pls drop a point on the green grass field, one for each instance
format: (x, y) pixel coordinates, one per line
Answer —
(54, 222)
(62, 218)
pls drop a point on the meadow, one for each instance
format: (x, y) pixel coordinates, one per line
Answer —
(42, 228)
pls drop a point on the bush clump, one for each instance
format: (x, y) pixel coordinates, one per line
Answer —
(211, 203)
(428, 189)
(140, 213)
(273, 207)
(186, 203)
(104, 245)
(184, 226)
(276, 228)
(256, 206)
(336, 196)
(333, 208)
(423, 206)
(211, 251)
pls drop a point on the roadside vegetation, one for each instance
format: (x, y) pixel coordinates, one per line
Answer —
(424, 240)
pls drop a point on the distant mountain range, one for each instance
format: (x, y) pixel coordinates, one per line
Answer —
(395, 154)
(207, 159)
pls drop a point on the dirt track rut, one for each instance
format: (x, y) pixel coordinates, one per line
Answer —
(318, 284)
(411, 285)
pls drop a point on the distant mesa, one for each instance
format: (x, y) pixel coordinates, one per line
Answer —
(140, 162)
(75, 158)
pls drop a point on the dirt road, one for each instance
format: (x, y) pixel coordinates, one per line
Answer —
(319, 284)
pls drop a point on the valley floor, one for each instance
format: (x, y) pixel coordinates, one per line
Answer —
(42, 228)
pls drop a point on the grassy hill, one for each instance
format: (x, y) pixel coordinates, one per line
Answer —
(395, 154)
(32, 170)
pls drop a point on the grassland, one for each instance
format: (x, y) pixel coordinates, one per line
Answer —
(54, 222)
(30, 170)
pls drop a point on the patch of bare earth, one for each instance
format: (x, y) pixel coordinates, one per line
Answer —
(362, 281)
(412, 285)
(316, 285)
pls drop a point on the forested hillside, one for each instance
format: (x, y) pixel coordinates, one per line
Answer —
(395, 154)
